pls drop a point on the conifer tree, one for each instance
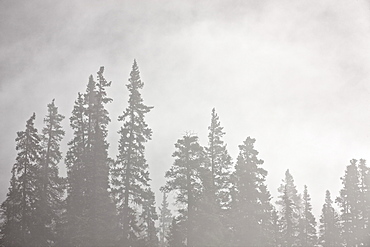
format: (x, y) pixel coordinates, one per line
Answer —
(288, 222)
(364, 202)
(329, 224)
(289, 202)
(220, 162)
(165, 220)
(184, 177)
(275, 229)
(148, 217)
(212, 212)
(348, 202)
(90, 211)
(50, 183)
(18, 227)
(130, 175)
(100, 210)
(251, 206)
(176, 237)
(307, 224)
(74, 217)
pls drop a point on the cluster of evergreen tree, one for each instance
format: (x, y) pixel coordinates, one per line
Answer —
(224, 204)
(103, 201)
(107, 201)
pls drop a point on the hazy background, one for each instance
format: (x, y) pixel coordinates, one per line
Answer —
(292, 74)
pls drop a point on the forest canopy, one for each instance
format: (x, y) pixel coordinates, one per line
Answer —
(109, 201)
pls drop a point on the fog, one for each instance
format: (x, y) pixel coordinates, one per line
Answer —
(293, 75)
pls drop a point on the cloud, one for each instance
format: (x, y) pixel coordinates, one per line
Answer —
(291, 74)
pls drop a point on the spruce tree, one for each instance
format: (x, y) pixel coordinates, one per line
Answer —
(212, 212)
(176, 237)
(51, 184)
(364, 202)
(288, 220)
(329, 224)
(74, 217)
(148, 217)
(220, 162)
(289, 202)
(90, 210)
(20, 216)
(251, 206)
(130, 175)
(348, 202)
(185, 178)
(275, 236)
(165, 220)
(100, 210)
(307, 224)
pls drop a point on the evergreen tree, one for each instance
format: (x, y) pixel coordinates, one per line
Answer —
(251, 206)
(330, 225)
(348, 202)
(176, 237)
(275, 229)
(364, 202)
(148, 217)
(184, 177)
(130, 175)
(165, 221)
(90, 211)
(220, 162)
(18, 227)
(307, 224)
(288, 224)
(100, 210)
(212, 208)
(74, 217)
(289, 202)
(51, 185)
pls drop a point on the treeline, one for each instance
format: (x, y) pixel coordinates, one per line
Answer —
(109, 202)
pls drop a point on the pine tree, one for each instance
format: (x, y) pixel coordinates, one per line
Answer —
(220, 162)
(212, 212)
(330, 225)
(307, 224)
(90, 211)
(165, 221)
(148, 217)
(184, 177)
(100, 210)
(275, 229)
(51, 184)
(348, 202)
(74, 217)
(364, 202)
(176, 237)
(288, 222)
(18, 228)
(251, 206)
(289, 203)
(130, 175)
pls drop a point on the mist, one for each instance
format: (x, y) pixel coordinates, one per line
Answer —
(293, 75)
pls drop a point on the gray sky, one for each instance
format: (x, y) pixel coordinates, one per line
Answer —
(292, 74)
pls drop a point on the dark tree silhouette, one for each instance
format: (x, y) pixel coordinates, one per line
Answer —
(20, 216)
(93, 221)
(165, 220)
(289, 202)
(130, 174)
(251, 208)
(49, 207)
(329, 224)
(184, 177)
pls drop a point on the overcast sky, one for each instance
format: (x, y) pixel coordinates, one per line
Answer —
(292, 74)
